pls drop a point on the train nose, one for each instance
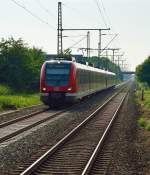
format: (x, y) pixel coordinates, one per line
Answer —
(57, 95)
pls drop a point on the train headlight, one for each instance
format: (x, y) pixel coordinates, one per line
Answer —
(69, 89)
(44, 89)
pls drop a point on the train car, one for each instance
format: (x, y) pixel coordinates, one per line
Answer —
(68, 81)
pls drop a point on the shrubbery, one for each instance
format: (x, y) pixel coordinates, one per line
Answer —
(106, 64)
(143, 72)
(20, 65)
(5, 90)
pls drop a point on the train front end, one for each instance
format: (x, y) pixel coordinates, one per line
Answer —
(57, 79)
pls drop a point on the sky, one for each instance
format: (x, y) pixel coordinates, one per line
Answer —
(127, 18)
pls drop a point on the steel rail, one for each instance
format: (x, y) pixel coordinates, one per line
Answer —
(30, 107)
(38, 162)
(19, 110)
(92, 159)
(21, 118)
(13, 134)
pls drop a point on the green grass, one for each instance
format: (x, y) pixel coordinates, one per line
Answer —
(142, 122)
(148, 127)
(147, 100)
(5, 90)
(144, 106)
(10, 100)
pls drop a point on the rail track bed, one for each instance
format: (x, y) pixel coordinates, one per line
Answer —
(17, 153)
(71, 154)
(102, 155)
(14, 114)
(17, 126)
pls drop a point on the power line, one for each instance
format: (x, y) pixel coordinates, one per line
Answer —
(104, 9)
(72, 8)
(77, 42)
(108, 19)
(45, 9)
(79, 12)
(32, 14)
(105, 48)
(100, 12)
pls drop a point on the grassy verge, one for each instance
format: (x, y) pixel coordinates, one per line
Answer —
(144, 107)
(11, 100)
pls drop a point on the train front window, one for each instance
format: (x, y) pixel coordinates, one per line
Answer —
(57, 74)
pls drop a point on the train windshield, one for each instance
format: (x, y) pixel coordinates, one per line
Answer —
(57, 74)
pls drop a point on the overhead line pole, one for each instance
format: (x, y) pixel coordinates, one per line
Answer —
(100, 43)
(59, 30)
(113, 49)
(88, 44)
(122, 64)
(90, 29)
(119, 59)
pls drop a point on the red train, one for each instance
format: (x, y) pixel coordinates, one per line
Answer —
(69, 81)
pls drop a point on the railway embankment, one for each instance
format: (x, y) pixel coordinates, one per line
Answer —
(14, 114)
(127, 146)
(21, 148)
(131, 151)
(143, 135)
(11, 100)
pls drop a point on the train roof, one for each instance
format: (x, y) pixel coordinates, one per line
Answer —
(82, 66)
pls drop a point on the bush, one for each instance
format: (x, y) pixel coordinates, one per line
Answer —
(148, 127)
(5, 90)
(20, 65)
(143, 72)
(142, 122)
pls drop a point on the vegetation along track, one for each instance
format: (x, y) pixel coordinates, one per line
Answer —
(71, 154)
(15, 127)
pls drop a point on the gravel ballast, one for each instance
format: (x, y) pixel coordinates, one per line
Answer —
(21, 148)
(126, 159)
(10, 115)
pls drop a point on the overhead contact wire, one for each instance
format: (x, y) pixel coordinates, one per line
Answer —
(45, 9)
(32, 14)
(77, 42)
(100, 12)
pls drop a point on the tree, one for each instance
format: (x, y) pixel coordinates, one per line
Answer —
(66, 54)
(20, 65)
(106, 64)
(143, 72)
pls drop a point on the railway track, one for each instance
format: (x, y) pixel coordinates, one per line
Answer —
(14, 127)
(10, 115)
(72, 154)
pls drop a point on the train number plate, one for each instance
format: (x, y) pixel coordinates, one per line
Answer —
(56, 88)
